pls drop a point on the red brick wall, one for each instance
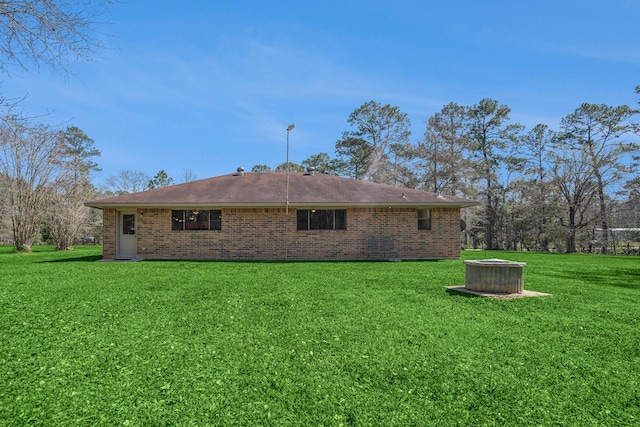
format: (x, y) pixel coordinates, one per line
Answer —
(270, 233)
(109, 233)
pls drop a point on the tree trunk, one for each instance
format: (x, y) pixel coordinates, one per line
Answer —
(571, 238)
(488, 225)
(604, 223)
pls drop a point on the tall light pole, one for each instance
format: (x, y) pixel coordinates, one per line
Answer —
(289, 129)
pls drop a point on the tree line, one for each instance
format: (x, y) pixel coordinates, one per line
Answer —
(45, 179)
(568, 189)
(571, 189)
(44, 171)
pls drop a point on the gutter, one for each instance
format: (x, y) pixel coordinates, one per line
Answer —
(205, 205)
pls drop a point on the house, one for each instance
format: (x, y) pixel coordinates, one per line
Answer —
(281, 216)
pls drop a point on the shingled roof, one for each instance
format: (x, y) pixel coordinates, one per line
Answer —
(269, 189)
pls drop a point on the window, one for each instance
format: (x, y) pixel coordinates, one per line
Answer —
(196, 219)
(322, 219)
(128, 224)
(424, 219)
(215, 220)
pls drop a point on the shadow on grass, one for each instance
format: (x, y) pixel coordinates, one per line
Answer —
(455, 293)
(95, 258)
(293, 261)
(84, 258)
(623, 278)
(628, 278)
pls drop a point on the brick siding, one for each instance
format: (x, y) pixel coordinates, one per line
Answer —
(270, 234)
(109, 222)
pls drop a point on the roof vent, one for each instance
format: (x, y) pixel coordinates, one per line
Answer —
(311, 170)
(240, 171)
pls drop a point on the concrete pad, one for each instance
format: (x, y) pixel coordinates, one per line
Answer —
(524, 293)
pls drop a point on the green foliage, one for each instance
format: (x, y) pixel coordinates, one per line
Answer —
(367, 152)
(260, 168)
(489, 139)
(535, 186)
(331, 343)
(356, 156)
(322, 163)
(293, 167)
(77, 152)
(161, 179)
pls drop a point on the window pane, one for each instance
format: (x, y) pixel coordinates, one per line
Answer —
(326, 219)
(177, 220)
(303, 219)
(341, 219)
(321, 220)
(314, 220)
(424, 224)
(196, 220)
(128, 224)
(216, 220)
(424, 219)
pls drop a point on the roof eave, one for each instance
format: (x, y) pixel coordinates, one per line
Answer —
(151, 205)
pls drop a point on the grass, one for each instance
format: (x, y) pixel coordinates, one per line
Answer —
(315, 343)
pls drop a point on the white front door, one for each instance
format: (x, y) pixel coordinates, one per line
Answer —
(127, 246)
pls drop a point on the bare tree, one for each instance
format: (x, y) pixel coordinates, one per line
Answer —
(28, 161)
(127, 181)
(600, 131)
(443, 163)
(48, 32)
(574, 179)
(536, 146)
(189, 175)
(67, 215)
(402, 164)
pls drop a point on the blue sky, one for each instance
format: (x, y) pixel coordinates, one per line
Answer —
(208, 86)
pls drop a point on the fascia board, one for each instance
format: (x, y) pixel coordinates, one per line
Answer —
(281, 205)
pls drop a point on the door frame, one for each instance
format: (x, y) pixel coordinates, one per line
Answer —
(119, 239)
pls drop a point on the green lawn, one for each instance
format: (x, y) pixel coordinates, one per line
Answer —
(315, 343)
